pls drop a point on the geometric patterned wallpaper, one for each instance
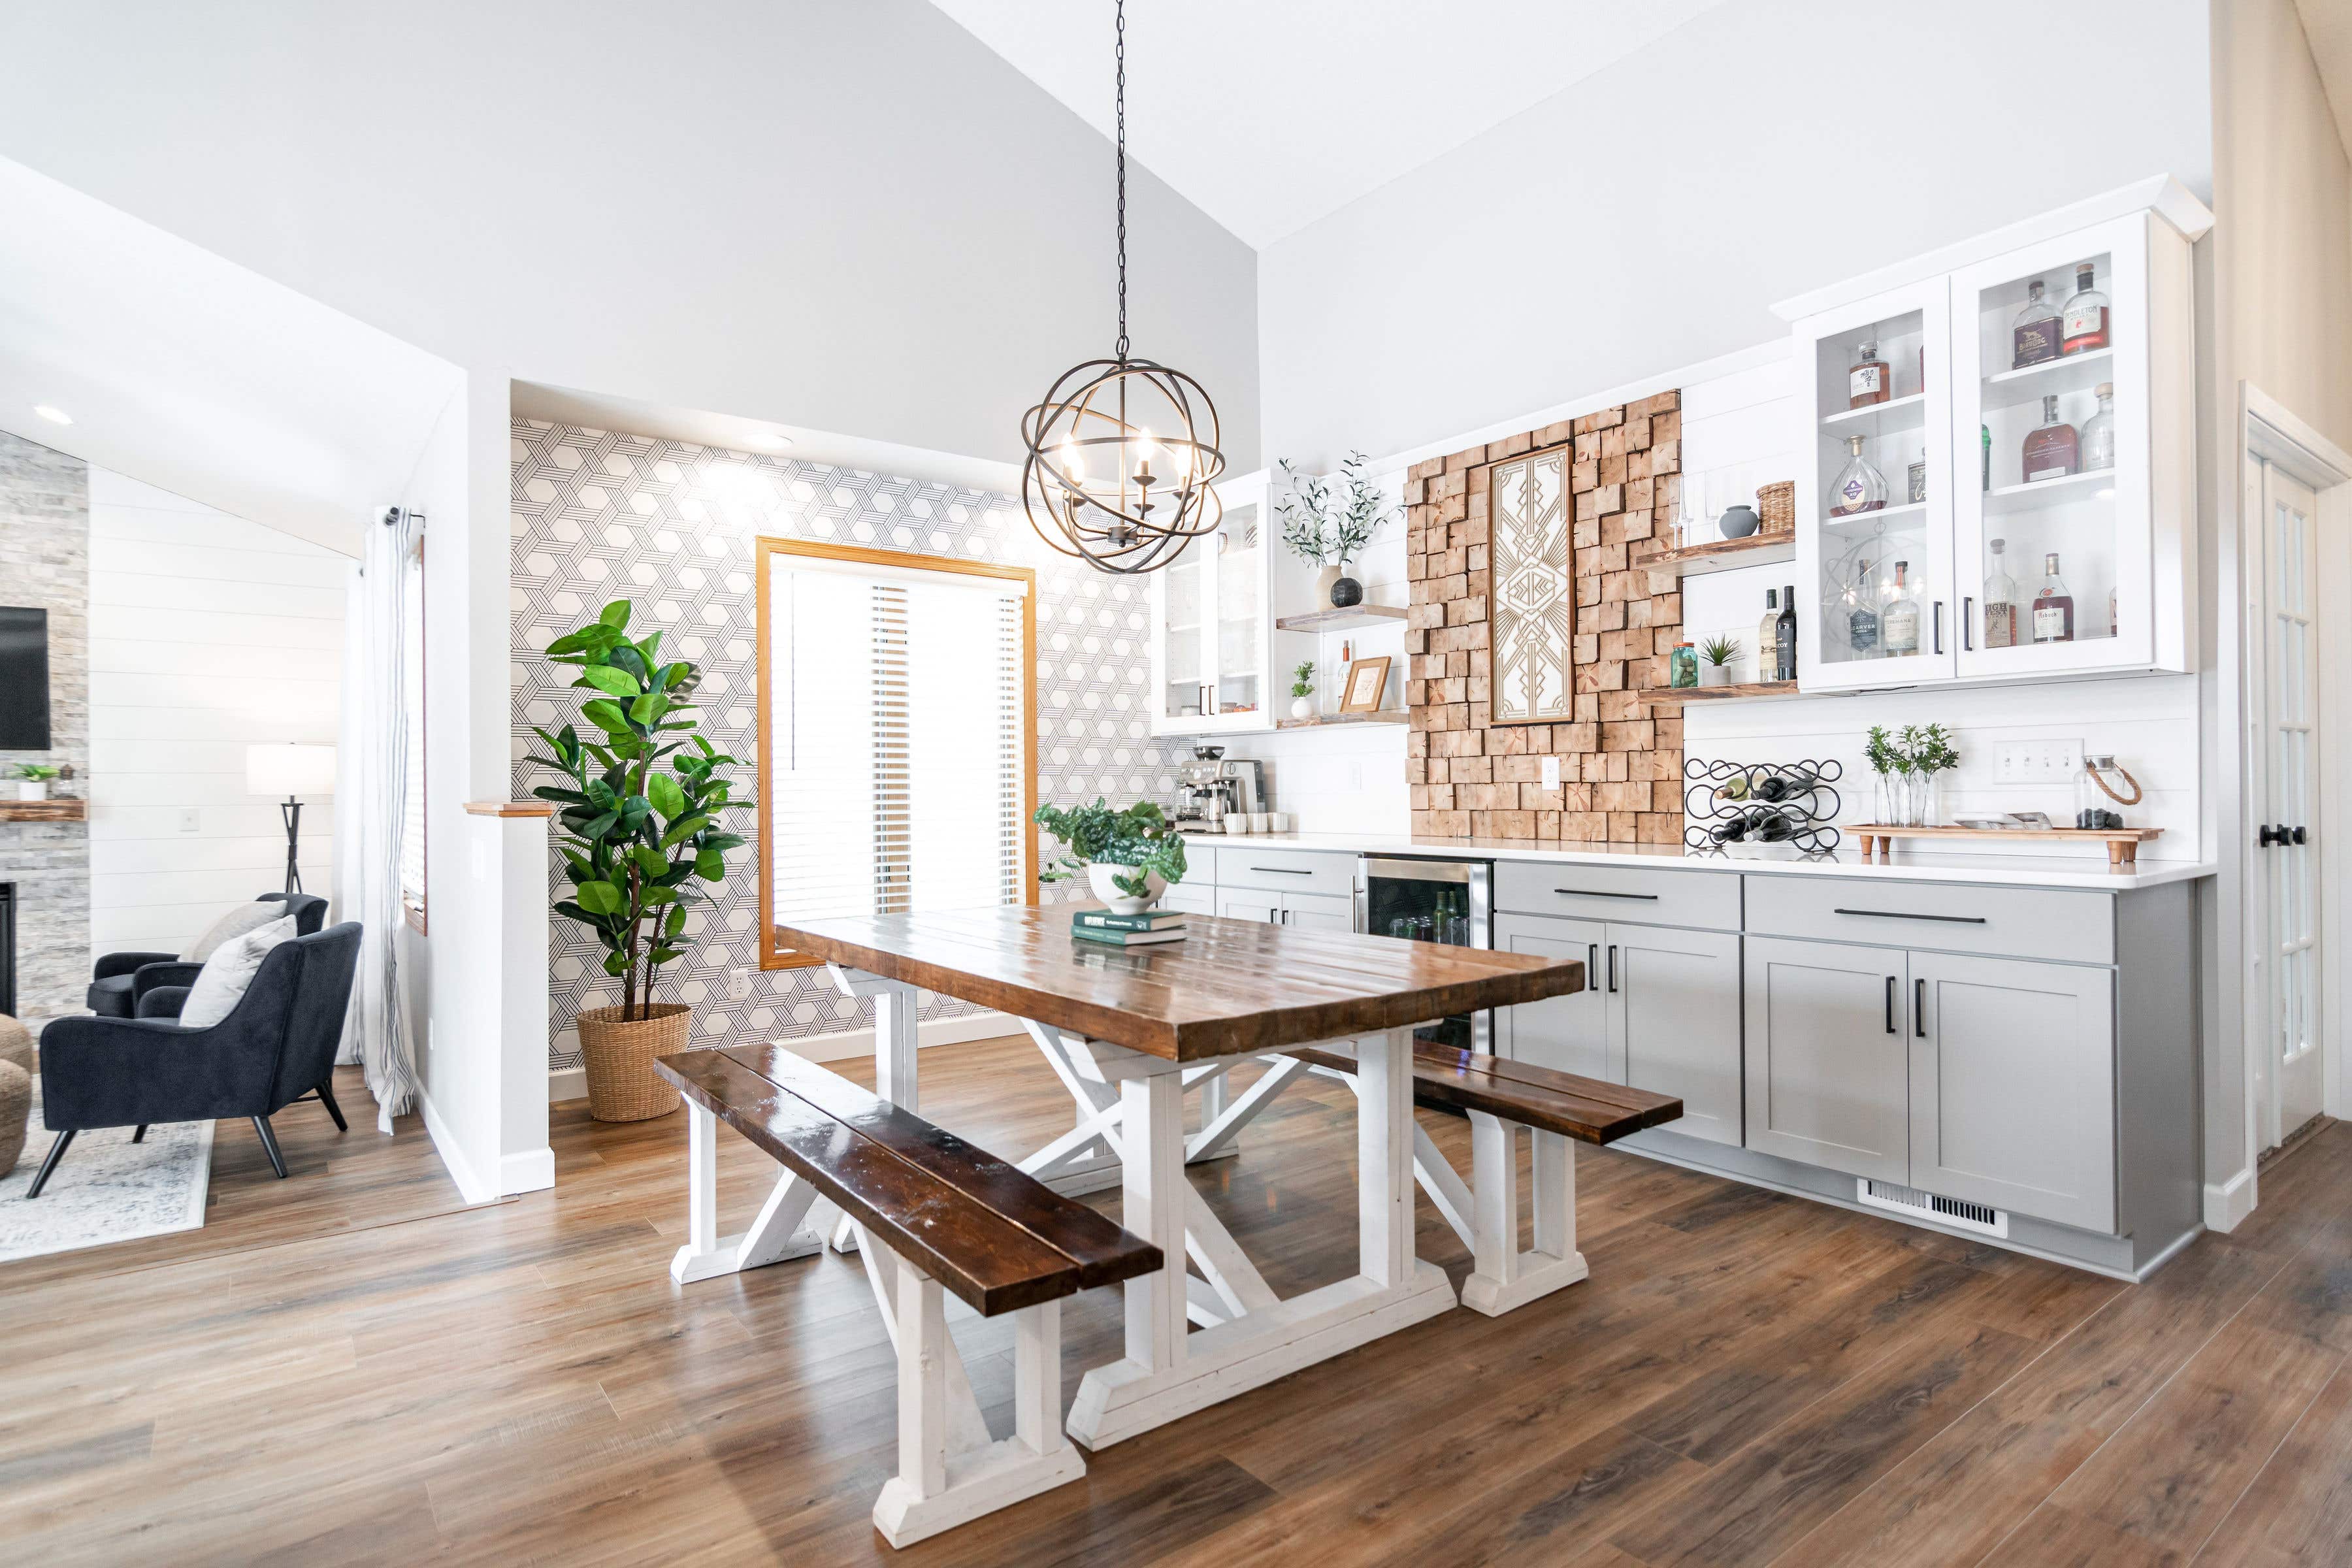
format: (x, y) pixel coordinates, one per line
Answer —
(599, 515)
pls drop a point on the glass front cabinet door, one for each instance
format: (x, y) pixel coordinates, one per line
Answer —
(1211, 632)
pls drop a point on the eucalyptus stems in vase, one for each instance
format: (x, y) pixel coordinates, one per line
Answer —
(1327, 538)
(1910, 763)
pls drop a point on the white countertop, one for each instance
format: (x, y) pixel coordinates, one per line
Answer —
(2087, 868)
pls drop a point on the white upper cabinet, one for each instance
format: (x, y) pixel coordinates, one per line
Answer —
(1212, 625)
(2021, 502)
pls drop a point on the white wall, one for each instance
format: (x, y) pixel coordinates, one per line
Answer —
(1649, 216)
(207, 633)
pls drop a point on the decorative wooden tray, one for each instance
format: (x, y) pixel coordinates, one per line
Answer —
(2123, 843)
(58, 810)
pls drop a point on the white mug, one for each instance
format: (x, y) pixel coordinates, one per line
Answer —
(1278, 821)
(1236, 821)
(1257, 821)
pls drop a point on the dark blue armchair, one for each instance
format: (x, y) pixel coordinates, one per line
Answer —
(120, 980)
(276, 1047)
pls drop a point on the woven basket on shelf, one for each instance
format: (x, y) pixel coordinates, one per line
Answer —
(1777, 505)
(619, 1054)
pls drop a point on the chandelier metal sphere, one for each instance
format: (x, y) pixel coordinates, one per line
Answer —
(1123, 452)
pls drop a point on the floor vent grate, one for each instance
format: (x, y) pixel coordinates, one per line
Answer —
(1933, 1205)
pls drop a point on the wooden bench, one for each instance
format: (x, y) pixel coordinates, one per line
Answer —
(932, 1211)
(1499, 1097)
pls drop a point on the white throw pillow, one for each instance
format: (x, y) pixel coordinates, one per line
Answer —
(228, 973)
(236, 923)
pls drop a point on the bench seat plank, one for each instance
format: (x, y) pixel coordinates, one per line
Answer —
(1585, 1108)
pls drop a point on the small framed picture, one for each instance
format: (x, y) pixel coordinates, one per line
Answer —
(1367, 677)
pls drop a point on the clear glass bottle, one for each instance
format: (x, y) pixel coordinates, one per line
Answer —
(2083, 324)
(1859, 488)
(1858, 613)
(1681, 665)
(2053, 607)
(2098, 438)
(2051, 452)
(1999, 601)
(1867, 382)
(2034, 337)
(1767, 634)
(1899, 623)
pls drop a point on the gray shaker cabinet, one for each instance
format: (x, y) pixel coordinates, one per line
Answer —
(1828, 1069)
(1566, 1033)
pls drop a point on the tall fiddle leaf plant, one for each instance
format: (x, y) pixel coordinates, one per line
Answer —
(639, 808)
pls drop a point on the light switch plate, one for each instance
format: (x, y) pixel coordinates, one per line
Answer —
(1551, 773)
(2040, 762)
(191, 820)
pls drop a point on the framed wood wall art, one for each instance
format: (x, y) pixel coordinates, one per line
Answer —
(1367, 679)
(1530, 591)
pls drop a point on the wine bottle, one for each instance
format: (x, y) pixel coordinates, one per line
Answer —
(1784, 637)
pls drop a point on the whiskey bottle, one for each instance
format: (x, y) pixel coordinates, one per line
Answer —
(2049, 452)
(2053, 608)
(1899, 624)
(2098, 443)
(1867, 382)
(1859, 488)
(2083, 324)
(1999, 602)
(2035, 337)
(1859, 605)
(1784, 637)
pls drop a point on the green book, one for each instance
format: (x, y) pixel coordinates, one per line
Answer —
(1150, 919)
(1108, 938)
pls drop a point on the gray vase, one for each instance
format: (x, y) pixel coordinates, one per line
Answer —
(1738, 521)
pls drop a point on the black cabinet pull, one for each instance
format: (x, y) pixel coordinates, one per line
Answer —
(2271, 836)
(1906, 915)
(1591, 960)
(2300, 836)
(1967, 625)
(1613, 968)
(1892, 1027)
(1920, 1008)
(1283, 870)
(1591, 893)
(1939, 626)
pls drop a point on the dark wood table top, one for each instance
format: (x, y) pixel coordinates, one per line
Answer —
(1229, 987)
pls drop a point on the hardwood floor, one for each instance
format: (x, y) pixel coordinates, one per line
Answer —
(1747, 1379)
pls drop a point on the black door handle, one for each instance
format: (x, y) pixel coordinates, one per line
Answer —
(2272, 836)
(1596, 893)
(1591, 960)
(1920, 1008)
(1612, 967)
(1906, 915)
(1967, 625)
(1939, 626)
(1892, 1027)
(2300, 836)
(1283, 870)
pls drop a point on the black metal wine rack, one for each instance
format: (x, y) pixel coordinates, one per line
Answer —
(1761, 803)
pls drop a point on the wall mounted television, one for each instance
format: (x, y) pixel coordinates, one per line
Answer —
(23, 679)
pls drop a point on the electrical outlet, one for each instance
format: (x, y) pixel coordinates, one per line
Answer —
(739, 985)
(1551, 773)
(2039, 763)
(191, 820)
(1355, 775)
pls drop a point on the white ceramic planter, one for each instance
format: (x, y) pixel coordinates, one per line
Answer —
(32, 789)
(1098, 879)
(1302, 708)
(1324, 578)
(1714, 674)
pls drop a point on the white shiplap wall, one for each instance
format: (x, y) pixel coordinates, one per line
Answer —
(207, 633)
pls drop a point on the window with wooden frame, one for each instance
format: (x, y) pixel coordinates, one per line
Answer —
(897, 706)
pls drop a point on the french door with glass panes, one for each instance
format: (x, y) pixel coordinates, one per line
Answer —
(1875, 596)
(2286, 857)
(1211, 626)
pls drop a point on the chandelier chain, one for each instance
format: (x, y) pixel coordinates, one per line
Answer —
(1122, 178)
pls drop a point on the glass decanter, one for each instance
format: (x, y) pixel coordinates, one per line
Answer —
(1859, 488)
(2098, 439)
(2037, 332)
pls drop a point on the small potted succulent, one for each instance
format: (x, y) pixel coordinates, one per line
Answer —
(1302, 689)
(33, 780)
(1716, 658)
(1128, 857)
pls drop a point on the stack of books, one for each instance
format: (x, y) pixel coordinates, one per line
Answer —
(1127, 930)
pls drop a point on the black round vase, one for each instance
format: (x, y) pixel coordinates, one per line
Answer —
(1346, 593)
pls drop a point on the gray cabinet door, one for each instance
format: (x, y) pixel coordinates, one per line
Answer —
(1827, 1064)
(1319, 912)
(1567, 1034)
(1675, 1022)
(1263, 908)
(2012, 1086)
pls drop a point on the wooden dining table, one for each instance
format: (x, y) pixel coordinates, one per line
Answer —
(1128, 1030)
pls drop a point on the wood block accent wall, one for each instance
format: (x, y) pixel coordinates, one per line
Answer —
(1619, 768)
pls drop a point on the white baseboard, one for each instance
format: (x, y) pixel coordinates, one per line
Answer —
(532, 1171)
(2231, 1202)
(470, 1185)
(571, 1083)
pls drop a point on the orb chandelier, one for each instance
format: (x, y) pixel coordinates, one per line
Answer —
(1122, 452)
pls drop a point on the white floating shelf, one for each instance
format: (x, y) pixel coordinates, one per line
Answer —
(2070, 372)
(2064, 491)
(1895, 414)
(1868, 522)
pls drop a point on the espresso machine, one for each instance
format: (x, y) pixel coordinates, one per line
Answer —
(1210, 788)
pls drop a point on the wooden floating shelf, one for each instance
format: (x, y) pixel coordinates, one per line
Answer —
(60, 810)
(1676, 696)
(1386, 716)
(1723, 554)
(1338, 620)
(2123, 843)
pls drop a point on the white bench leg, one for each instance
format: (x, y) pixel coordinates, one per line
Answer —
(1502, 1275)
(941, 1483)
(780, 1231)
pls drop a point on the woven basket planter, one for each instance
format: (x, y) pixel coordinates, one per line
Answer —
(620, 1053)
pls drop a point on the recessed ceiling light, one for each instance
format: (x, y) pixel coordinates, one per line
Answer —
(53, 414)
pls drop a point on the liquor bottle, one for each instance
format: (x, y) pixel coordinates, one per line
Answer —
(1899, 623)
(2050, 451)
(1984, 434)
(2036, 334)
(2083, 324)
(1999, 602)
(1867, 382)
(1859, 488)
(2053, 608)
(1767, 634)
(2099, 443)
(1919, 491)
(1784, 637)
(1859, 605)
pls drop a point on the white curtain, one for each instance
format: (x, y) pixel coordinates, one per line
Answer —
(375, 1032)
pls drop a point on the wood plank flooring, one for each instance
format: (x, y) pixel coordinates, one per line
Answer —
(365, 1372)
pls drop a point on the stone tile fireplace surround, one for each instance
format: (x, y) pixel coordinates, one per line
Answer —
(1620, 767)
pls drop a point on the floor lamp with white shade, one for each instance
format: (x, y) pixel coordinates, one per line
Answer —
(292, 771)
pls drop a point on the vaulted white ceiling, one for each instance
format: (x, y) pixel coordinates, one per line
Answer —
(1267, 114)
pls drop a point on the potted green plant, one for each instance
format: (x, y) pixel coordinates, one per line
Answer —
(33, 780)
(1326, 538)
(1909, 764)
(1302, 689)
(1716, 655)
(1128, 857)
(637, 819)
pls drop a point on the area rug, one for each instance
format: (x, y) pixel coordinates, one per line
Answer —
(107, 1188)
